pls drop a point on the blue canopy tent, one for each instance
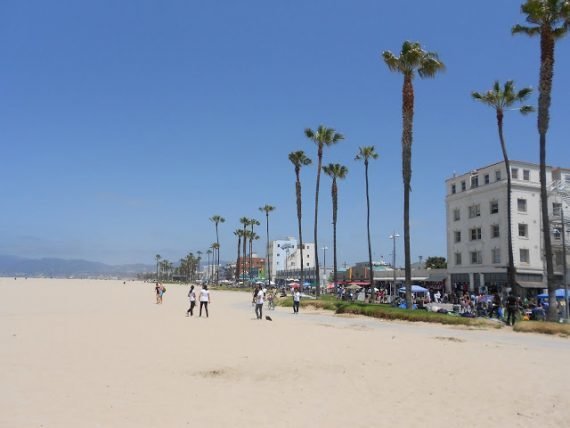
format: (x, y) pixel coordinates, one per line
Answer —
(559, 294)
(415, 289)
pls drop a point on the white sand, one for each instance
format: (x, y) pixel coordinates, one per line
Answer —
(79, 353)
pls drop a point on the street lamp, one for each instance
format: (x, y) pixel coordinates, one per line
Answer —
(393, 237)
(325, 266)
(561, 190)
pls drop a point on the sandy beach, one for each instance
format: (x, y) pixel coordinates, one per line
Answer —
(87, 353)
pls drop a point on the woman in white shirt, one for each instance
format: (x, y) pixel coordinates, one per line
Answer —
(204, 299)
(296, 300)
(192, 296)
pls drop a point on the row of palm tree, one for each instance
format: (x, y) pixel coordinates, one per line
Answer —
(549, 19)
(188, 267)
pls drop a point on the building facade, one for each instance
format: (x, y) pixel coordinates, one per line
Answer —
(477, 228)
(285, 256)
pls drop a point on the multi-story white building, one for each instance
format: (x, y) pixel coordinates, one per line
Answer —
(477, 244)
(285, 255)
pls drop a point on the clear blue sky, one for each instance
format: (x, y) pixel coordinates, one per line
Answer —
(125, 125)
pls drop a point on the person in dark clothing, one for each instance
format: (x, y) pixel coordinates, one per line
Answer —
(511, 308)
(495, 305)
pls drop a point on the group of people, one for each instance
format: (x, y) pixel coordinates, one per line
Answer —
(259, 297)
(204, 298)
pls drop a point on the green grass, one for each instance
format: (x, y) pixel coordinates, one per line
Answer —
(543, 327)
(388, 312)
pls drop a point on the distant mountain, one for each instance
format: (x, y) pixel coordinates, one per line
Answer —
(53, 267)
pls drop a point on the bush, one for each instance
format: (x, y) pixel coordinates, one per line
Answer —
(543, 327)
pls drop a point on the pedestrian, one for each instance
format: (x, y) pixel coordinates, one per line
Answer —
(204, 299)
(192, 296)
(259, 303)
(296, 301)
(159, 289)
(511, 308)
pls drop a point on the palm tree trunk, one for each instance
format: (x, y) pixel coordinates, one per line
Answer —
(334, 198)
(218, 256)
(244, 252)
(299, 213)
(544, 99)
(511, 273)
(370, 267)
(317, 273)
(408, 118)
(238, 258)
(267, 252)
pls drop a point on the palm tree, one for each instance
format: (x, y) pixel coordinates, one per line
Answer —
(267, 209)
(239, 234)
(198, 260)
(550, 19)
(245, 222)
(157, 257)
(322, 137)
(252, 236)
(209, 267)
(216, 249)
(412, 59)
(365, 154)
(501, 100)
(335, 171)
(299, 159)
(217, 219)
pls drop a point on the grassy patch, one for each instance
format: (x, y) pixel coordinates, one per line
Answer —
(388, 312)
(543, 327)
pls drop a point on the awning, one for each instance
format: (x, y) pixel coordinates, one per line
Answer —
(531, 284)
(437, 277)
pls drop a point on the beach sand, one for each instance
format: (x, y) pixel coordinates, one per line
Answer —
(88, 353)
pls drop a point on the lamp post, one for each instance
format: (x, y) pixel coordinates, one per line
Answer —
(564, 277)
(325, 266)
(393, 237)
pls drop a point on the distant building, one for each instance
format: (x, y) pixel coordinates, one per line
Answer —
(285, 256)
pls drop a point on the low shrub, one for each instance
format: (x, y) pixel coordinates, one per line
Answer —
(543, 327)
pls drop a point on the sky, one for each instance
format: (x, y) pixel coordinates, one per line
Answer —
(125, 126)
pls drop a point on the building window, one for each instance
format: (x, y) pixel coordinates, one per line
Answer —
(474, 181)
(496, 255)
(556, 209)
(487, 179)
(521, 205)
(475, 233)
(456, 214)
(515, 173)
(457, 236)
(476, 258)
(474, 211)
(457, 258)
(567, 178)
(498, 175)
(558, 258)
(463, 186)
(523, 230)
(494, 207)
(556, 234)
(453, 189)
(495, 231)
(524, 255)
(526, 175)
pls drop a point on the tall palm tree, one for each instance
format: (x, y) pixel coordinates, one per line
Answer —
(413, 59)
(501, 99)
(198, 260)
(299, 159)
(216, 250)
(157, 257)
(245, 222)
(209, 266)
(365, 154)
(549, 19)
(239, 234)
(252, 236)
(322, 137)
(217, 219)
(336, 172)
(267, 209)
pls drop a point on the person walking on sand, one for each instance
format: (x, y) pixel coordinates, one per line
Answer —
(259, 304)
(204, 299)
(296, 300)
(192, 296)
(159, 289)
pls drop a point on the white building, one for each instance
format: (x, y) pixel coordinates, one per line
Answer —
(285, 255)
(477, 244)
